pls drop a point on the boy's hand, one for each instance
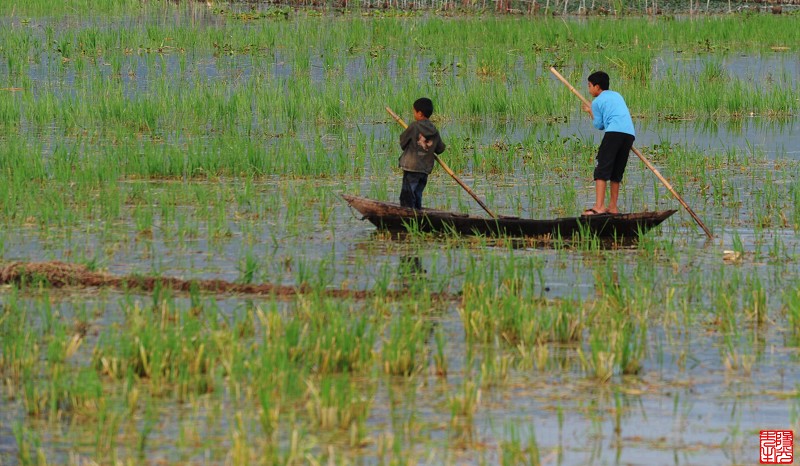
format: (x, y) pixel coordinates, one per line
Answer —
(588, 109)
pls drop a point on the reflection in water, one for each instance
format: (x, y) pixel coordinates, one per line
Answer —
(410, 271)
(411, 266)
(577, 242)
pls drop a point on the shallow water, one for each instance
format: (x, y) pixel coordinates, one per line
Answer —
(685, 407)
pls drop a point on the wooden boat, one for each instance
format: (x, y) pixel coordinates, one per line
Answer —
(393, 217)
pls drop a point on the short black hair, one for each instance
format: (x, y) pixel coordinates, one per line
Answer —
(600, 78)
(424, 105)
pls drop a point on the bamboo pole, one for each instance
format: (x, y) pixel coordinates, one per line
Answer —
(643, 159)
(446, 168)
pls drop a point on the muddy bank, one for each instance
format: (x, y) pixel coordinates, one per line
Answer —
(61, 274)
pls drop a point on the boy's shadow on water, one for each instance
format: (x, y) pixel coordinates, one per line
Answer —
(411, 265)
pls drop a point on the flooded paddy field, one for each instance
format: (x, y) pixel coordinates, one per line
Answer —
(203, 143)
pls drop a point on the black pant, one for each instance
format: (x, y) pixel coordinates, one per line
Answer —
(411, 192)
(612, 156)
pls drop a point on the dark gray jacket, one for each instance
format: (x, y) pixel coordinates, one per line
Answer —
(419, 142)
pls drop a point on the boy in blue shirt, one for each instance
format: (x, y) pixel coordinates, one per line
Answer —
(610, 113)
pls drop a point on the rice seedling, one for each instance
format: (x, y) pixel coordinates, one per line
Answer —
(337, 343)
(248, 268)
(736, 359)
(157, 350)
(513, 452)
(29, 444)
(791, 304)
(405, 351)
(601, 359)
(439, 357)
(464, 403)
(754, 300)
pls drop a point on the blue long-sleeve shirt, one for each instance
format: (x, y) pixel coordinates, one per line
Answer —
(611, 113)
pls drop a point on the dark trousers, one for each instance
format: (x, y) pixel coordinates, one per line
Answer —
(411, 192)
(612, 156)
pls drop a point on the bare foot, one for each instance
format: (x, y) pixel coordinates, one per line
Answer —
(592, 211)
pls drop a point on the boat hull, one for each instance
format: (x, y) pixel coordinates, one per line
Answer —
(393, 217)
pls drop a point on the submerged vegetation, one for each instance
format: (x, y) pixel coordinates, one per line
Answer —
(184, 146)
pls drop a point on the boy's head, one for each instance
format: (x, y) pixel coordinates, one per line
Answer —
(598, 82)
(424, 106)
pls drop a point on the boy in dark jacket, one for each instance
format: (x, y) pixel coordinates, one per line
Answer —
(420, 141)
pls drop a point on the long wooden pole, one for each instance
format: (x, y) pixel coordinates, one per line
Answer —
(643, 159)
(446, 168)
